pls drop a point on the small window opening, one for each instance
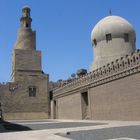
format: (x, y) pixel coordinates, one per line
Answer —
(126, 37)
(27, 25)
(108, 37)
(95, 41)
(32, 91)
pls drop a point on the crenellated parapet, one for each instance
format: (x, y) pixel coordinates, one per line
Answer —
(128, 65)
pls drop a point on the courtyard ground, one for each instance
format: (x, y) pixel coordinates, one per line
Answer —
(69, 130)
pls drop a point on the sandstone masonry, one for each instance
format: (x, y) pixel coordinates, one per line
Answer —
(27, 95)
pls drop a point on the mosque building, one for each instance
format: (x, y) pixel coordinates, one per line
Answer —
(113, 37)
(110, 91)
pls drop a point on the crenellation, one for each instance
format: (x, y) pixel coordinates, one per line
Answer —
(126, 65)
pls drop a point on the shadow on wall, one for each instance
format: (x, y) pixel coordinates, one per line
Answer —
(12, 127)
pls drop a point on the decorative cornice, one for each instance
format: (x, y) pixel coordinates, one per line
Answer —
(128, 65)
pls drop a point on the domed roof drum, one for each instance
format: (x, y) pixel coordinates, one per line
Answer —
(115, 25)
(113, 37)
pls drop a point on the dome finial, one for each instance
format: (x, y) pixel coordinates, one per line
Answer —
(110, 12)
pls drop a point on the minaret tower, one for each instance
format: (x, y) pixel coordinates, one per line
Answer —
(32, 93)
(26, 19)
(26, 38)
(26, 59)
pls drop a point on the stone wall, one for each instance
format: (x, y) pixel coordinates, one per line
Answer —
(26, 115)
(113, 91)
(69, 107)
(116, 100)
(15, 98)
(25, 61)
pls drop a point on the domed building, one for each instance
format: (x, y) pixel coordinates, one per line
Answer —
(111, 90)
(112, 37)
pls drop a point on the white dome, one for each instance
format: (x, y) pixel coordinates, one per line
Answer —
(113, 37)
(114, 25)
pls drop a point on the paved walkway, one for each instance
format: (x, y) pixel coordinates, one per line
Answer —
(77, 130)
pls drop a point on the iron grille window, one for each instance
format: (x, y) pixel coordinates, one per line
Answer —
(32, 91)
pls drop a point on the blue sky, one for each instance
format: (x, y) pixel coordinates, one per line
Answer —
(63, 31)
